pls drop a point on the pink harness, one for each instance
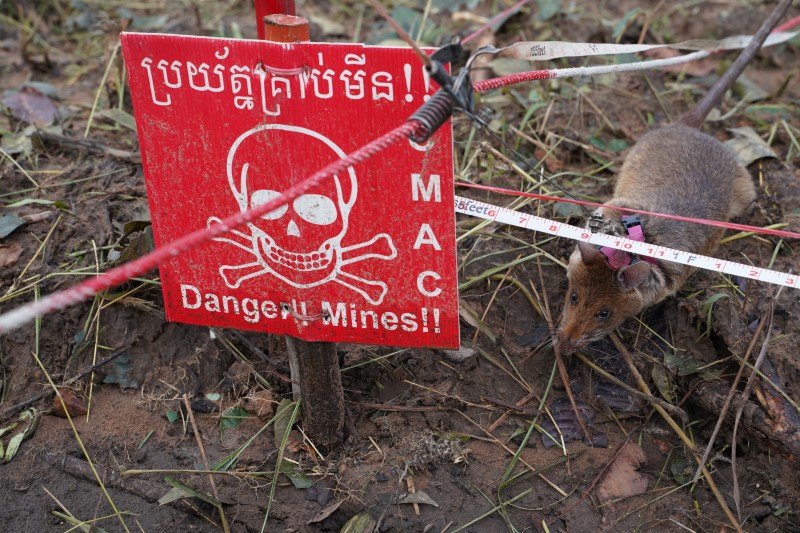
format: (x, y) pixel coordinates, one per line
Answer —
(618, 258)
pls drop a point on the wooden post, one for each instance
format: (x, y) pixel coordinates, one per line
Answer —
(321, 391)
(314, 366)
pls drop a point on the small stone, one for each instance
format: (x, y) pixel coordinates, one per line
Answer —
(260, 403)
(459, 356)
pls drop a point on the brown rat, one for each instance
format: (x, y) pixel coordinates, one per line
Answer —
(675, 170)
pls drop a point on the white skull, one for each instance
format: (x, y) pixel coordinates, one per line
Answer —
(299, 242)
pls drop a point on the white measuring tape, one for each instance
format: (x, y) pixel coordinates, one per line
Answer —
(504, 215)
(544, 50)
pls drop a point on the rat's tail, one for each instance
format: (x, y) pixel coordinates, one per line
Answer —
(696, 116)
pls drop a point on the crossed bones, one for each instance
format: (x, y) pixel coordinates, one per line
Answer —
(378, 247)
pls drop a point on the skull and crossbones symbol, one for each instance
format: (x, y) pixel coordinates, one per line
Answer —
(300, 243)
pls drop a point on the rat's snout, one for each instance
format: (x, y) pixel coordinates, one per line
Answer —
(568, 340)
(566, 347)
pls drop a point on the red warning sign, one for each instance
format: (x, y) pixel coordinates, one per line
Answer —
(224, 125)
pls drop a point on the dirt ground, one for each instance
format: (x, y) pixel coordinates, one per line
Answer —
(442, 429)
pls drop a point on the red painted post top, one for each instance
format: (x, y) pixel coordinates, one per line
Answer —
(271, 7)
(226, 124)
(286, 29)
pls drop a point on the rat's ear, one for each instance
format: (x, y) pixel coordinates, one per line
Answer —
(632, 276)
(589, 254)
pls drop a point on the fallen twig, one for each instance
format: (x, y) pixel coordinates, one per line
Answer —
(519, 406)
(405, 408)
(93, 147)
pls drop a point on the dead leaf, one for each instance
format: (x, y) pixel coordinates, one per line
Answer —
(748, 146)
(30, 418)
(703, 67)
(663, 382)
(622, 480)
(140, 245)
(326, 512)
(295, 474)
(752, 91)
(123, 118)
(360, 523)
(417, 497)
(72, 405)
(9, 253)
(18, 143)
(663, 446)
(551, 163)
(294, 444)
(8, 223)
(31, 106)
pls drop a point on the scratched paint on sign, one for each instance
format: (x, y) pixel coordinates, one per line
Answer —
(224, 125)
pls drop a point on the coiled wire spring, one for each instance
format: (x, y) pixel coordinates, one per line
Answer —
(431, 115)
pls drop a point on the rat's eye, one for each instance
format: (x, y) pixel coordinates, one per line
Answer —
(574, 297)
(603, 314)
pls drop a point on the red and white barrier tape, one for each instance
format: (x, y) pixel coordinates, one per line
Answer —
(504, 215)
(788, 25)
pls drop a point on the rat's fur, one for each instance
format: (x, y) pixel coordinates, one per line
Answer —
(675, 170)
